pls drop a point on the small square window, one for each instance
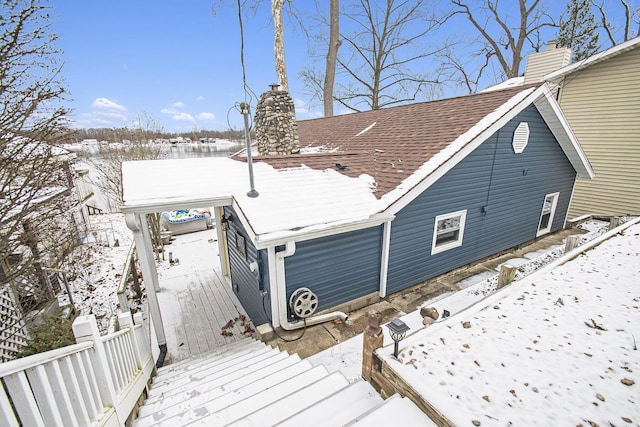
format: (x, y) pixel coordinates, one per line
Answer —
(448, 231)
(548, 212)
(241, 245)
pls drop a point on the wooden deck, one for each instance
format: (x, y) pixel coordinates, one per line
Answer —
(200, 312)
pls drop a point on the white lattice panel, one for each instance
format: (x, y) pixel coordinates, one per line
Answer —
(13, 332)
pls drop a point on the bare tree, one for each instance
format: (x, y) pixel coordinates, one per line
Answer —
(388, 43)
(618, 33)
(332, 57)
(137, 142)
(36, 219)
(278, 9)
(502, 39)
(278, 44)
(464, 70)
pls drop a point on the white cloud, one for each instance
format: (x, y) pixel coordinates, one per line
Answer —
(171, 111)
(178, 104)
(301, 106)
(107, 104)
(87, 120)
(200, 98)
(183, 117)
(206, 116)
(109, 115)
(104, 112)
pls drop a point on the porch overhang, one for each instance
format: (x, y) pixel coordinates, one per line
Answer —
(151, 206)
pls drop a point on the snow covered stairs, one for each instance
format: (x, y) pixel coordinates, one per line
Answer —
(250, 384)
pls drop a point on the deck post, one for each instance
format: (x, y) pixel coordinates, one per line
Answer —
(571, 243)
(615, 222)
(85, 328)
(506, 275)
(137, 223)
(373, 339)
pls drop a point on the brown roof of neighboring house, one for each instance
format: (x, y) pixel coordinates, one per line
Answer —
(392, 143)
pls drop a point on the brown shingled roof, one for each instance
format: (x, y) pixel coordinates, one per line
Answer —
(400, 141)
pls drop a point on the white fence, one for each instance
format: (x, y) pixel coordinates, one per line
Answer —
(97, 381)
(13, 331)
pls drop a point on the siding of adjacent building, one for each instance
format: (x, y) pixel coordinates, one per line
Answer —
(602, 104)
(247, 284)
(337, 268)
(511, 187)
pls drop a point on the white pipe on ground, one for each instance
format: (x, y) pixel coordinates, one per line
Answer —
(281, 295)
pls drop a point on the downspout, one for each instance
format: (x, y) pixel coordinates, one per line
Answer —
(281, 318)
(384, 258)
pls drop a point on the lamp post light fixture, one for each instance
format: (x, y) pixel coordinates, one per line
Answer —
(224, 222)
(398, 330)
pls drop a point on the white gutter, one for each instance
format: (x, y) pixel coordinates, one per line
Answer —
(279, 290)
(284, 237)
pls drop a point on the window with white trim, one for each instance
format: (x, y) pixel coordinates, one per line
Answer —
(548, 212)
(448, 231)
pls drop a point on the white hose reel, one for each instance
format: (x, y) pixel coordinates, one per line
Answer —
(303, 302)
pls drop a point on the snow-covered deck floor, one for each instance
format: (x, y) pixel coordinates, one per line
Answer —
(195, 299)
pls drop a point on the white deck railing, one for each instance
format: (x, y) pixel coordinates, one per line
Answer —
(94, 382)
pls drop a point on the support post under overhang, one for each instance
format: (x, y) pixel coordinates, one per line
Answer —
(137, 223)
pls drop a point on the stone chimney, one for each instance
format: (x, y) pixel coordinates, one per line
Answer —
(540, 64)
(275, 121)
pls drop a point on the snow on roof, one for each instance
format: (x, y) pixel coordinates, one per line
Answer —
(297, 200)
(509, 83)
(22, 200)
(290, 199)
(557, 348)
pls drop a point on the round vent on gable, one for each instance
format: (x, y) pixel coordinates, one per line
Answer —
(521, 137)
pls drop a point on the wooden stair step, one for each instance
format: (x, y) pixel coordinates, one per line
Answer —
(210, 389)
(246, 405)
(293, 403)
(340, 408)
(198, 407)
(205, 372)
(219, 355)
(387, 414)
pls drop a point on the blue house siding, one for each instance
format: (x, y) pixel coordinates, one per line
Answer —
(511, 188)
(246, 283)
(337, 268)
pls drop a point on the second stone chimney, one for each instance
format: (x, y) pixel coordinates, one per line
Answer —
(275, 122)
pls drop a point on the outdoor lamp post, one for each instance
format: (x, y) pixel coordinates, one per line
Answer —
(398, 329)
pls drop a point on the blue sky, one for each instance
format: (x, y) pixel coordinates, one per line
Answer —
(173, 61)
(177, 63)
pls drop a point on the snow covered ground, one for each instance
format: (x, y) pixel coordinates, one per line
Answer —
(556, 348)
(96, 268)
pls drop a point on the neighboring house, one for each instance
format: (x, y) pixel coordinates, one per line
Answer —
(600, 97)
(385, 200)
(44, 229)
